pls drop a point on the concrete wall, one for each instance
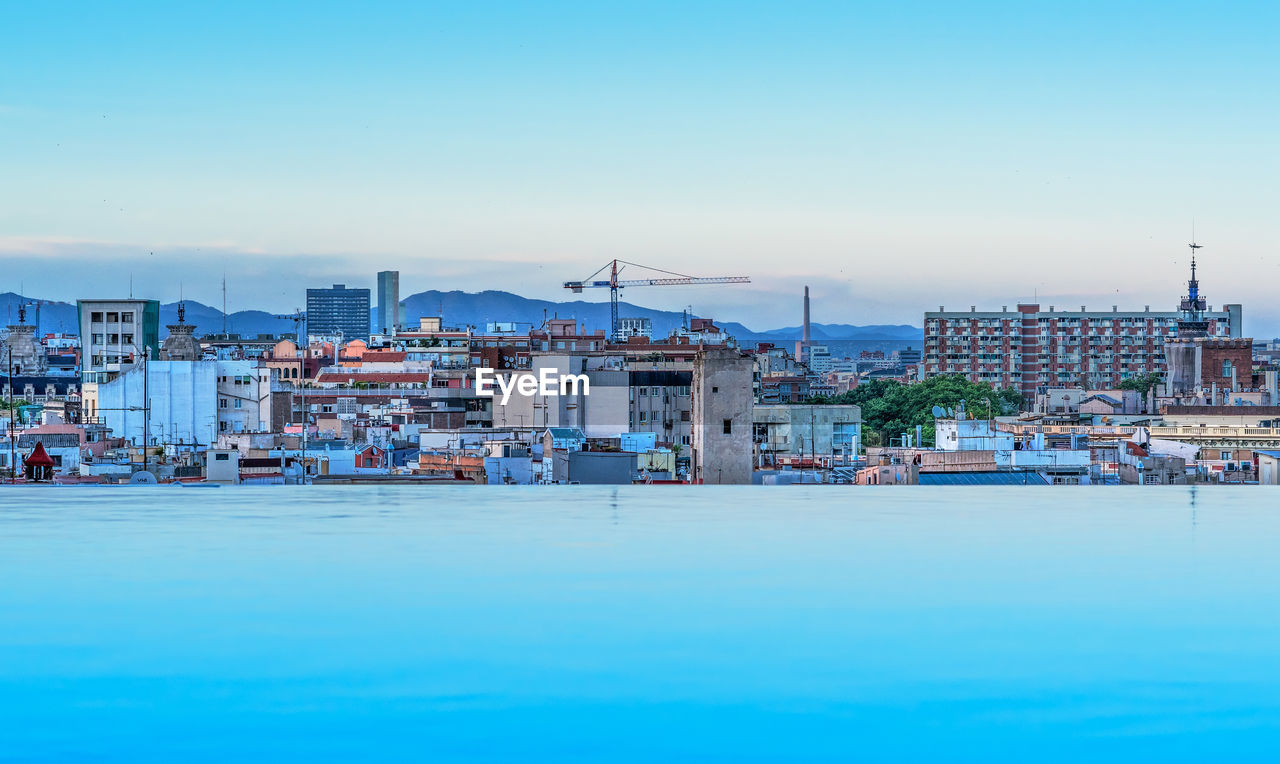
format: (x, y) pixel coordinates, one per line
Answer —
(722, 400)
(183, 402)
(1268, 469)
(593, 467)
(804, 430)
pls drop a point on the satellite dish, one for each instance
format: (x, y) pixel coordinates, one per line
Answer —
(938, 412)
(142, 477)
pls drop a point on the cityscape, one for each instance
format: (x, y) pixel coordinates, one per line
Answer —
(359, 393)
(699, 381)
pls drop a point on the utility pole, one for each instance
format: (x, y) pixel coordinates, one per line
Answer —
(299, 319)
(13, 451)
(146, 406)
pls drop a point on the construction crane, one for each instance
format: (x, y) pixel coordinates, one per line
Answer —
(614, 284)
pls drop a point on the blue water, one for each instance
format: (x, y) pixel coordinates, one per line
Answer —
(654, 623)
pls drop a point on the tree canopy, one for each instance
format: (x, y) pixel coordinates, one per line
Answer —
(890, 408)
(1143, 383)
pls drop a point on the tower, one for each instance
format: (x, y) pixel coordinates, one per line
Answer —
(802, 347)
(388, 319)
(181, 343)
(1193, 323)
(28, 357)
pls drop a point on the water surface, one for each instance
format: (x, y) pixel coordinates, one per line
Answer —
(585, 623)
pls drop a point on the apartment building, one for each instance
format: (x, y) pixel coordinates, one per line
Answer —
(114, 334)
(1030, 348)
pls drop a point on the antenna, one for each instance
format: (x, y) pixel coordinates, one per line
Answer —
(224, 303)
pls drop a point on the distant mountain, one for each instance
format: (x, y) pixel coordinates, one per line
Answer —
(460, 309)
(846, 332)
(208, 320)
(479, 308)
(53, 316)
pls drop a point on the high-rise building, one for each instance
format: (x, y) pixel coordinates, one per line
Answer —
(114, 335)
(388, 319)
(1030, 349)
(338, 310)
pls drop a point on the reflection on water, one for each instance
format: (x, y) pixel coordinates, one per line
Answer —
(448, 622)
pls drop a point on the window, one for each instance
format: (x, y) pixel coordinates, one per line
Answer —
(728, 427)
(113, 318)
(128, 339)
(222, 403)
(126, 317)
(221, 457)
(237, 403)
(715, 389)
(1226, 367)
(644, 417)
(96, 316)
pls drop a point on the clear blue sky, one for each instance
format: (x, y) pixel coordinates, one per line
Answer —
(894, 156)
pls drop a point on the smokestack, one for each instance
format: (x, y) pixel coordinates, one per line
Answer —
(805, 337)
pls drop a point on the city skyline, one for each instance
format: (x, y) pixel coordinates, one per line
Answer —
(892, 160)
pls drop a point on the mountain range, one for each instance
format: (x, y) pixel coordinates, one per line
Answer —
(458, 309)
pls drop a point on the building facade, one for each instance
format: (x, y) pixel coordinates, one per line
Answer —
(722, 409)
(113, 335)
(388, 319)
(338, 311)
(1030, 349)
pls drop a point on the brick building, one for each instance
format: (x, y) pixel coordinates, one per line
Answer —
(1030, 349)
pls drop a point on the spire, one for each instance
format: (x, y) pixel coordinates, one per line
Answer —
(1193, 286)
(1193, 322)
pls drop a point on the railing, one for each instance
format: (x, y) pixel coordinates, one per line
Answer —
(1220, 431)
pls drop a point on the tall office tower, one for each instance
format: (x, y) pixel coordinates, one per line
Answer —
(388, 316)
(338, 310)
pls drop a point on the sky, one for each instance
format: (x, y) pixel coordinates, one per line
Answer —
(893, 156)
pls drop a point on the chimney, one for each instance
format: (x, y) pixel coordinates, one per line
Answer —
(805, 337)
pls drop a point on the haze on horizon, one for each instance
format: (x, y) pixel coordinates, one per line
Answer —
(895, 159)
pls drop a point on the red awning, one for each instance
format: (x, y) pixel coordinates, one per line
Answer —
(38, 457)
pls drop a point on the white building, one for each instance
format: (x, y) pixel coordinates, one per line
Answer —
(244, 397)
(183, 403)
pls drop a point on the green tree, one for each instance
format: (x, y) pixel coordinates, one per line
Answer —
(1143, 383)
(890, 408)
